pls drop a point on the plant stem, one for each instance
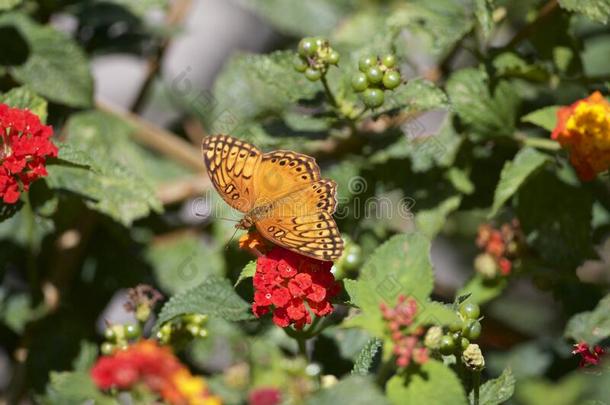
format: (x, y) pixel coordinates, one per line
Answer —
(540, 143)
(476, 384)
(30, 218)
(329, 93)
(302, 342)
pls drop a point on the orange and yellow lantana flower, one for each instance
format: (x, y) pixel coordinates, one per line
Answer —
(583, 128)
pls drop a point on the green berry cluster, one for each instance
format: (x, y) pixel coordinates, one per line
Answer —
(465, 329)
(118, 337)
(183, 329)
(376, 75)
(314, 57)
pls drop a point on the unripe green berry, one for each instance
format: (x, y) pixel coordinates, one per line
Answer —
(359, 82)
(447, 345)
(319, 41)
(299, 64)
(391, 79)
(193, 329)
(472, 330)
(470, 310)
(389, 61)
(109, 334)
(333, 57)
(374, 75)
(308, 47)
(132, 331)
(464, 343)
(373, 98)
(313, 74)
(107, 348)
(456, 325)
(473, 357)
(367, 62)
(353, 256)
(203, 333)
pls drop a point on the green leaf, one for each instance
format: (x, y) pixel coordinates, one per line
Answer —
(106, 186)
(110, 136)
(9, 4)
(498, 390)
(440, 23)
(214, 297)
(353, 390)
(597, 10)
(72, 388)
(510, 64)
(24, 98)
(482, 290)
(302, 18)
(434, 384)
(57, 67)
(514, 174)
(484, 13)
(17, 310)
(591, 326)
(545, 117)
(430, 221)
(8, 210)
(254, 86)
(247, 272)
(561, 233)
(426, 148)
(487, 114)
(184, 261)
(142, 7)
(399, 266)
(86, 356)
(102, 164)
(364, 361)
(416, 95)
(569, 390)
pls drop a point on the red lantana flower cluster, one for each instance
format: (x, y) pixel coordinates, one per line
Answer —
(407, 344)
(588, 356)
(290, 285)
(265, 396)
(501, 248)
(155, 367)
(24, 147)
(583, 128)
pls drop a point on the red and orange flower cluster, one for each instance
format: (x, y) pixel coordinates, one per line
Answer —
(147, 364)
(291, 285)
(24, 147)
(588, 356)
(501, 248)
(583, 128)
(407, 345)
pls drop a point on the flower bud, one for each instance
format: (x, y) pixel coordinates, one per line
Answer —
(473, 357)
(433, 337)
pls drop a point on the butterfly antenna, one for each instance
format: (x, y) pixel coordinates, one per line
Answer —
(231, 240)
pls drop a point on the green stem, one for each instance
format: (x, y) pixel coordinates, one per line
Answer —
(476, 384)
(384, 372)
(302, 342)
(540, 143)
(329, 93)
(30, 219)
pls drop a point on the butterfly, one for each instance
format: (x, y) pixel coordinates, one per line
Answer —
(281, 193)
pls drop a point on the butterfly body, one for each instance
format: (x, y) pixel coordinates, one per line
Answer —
(281, 193)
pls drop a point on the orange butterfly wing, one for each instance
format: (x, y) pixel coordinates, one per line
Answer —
(232, 165)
